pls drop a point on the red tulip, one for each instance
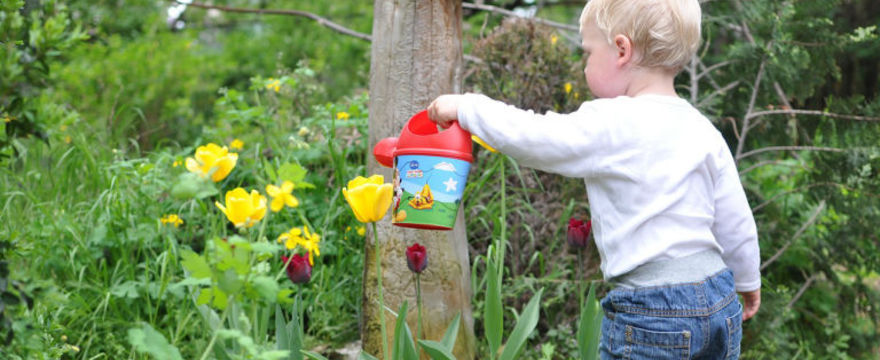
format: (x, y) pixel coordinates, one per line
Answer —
(298, 270)
(416, 258)
(578, 233)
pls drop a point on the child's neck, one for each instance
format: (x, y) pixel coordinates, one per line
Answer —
(644, 81)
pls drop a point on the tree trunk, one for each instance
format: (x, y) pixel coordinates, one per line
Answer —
(416, 56)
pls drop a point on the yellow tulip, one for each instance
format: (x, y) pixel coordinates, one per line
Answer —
(567, 88)
(342, 115)
(243, 209)
(281, 196)
(369, 198)
(214, 158)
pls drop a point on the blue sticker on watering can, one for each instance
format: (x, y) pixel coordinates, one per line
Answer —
(427, 190)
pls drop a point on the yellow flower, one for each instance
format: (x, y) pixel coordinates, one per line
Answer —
(369, 198)
(243, 209)
(67, 139)
(212, 160)
(176, 163)
(6, 119)
(553, 39)
(274, 85)
(483, 143)
(568, 88)
(303, 131)
(310, 243)
(361, 230)
(236, 144)
(302, 237)
(576, 95)
(291, 238)
(171, 219)
(281, 196)
(342, 115)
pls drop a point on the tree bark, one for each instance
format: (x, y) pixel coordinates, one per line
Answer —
(416, 56)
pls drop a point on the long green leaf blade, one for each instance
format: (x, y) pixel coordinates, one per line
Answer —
(589, 327)
(404, 346)
(524, 327)
(451, 333)
(436, 350)
(493, 319)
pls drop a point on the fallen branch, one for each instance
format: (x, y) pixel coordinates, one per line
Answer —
(798, 234)
(786, 148)
(321, 20)
(506, 12)
(801, 291)
(812, 112)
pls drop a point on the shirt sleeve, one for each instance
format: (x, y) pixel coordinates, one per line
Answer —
(734, 227)
(550, 142)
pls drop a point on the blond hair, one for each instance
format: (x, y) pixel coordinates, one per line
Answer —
(664, 33)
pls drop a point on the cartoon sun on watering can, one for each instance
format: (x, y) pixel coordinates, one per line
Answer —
(430, 172)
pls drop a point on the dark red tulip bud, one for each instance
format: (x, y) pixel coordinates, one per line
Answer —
(416, 258)
(298, 270)
(578, 233)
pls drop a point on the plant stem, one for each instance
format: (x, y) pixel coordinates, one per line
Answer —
(503, 219)
(214, 336)
(419, 304)
(385, 353)
(580, 277)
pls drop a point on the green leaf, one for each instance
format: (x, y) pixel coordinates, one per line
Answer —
(195, 264)
(267, 287)
(128, 289)
(220, 300)
(205, 296)
(436, 350)
(292, 172)
(313, 356)
(147, 340)
(229, 282)
(451, 333)
(288, 335)
(589, 327)
(365, 356)
(270, 170)
(493, 319)
(404, 348)
(524, 327)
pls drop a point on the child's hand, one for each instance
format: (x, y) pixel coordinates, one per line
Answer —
(444, 110)
(752, 301)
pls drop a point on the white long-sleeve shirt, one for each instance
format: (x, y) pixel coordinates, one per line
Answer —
(660, 178)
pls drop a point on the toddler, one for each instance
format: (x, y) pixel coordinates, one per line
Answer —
(671, 221)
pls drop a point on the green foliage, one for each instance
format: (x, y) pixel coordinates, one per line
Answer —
(33, 40)
(95, 272)
(148, 340)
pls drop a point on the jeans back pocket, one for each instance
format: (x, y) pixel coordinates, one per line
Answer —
(649, 344)
(734, 334)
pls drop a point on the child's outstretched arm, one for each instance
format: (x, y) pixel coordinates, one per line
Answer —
(734, 229)
(550, 142)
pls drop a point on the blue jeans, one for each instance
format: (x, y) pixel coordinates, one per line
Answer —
(701, 320)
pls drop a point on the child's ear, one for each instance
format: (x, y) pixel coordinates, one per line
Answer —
(624, 48)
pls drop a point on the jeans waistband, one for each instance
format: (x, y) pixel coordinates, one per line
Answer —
(691, 268)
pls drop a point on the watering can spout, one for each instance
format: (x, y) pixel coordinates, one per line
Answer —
(384, 151)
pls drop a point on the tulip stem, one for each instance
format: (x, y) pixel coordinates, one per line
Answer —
(419, 304)
(385, 352)
(580, 277)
